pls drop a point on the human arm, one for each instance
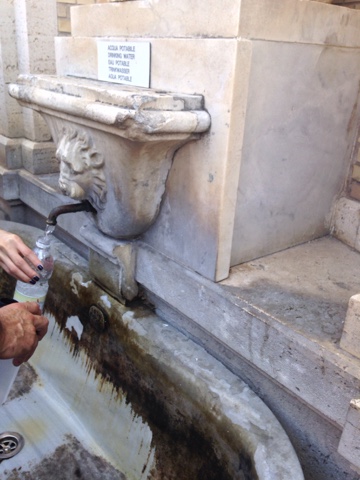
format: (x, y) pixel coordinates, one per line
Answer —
(12, 253)
(21, 328)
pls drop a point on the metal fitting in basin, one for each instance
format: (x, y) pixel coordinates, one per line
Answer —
(11, 443)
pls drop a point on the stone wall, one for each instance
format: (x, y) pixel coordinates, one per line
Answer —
(354, 180)
(63, 12)
(64, 28)
(353, 189)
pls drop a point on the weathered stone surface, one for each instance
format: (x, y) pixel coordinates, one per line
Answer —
(10, 111)
(350, 339)
(349, 445)
(39, 157)
(278, 124)
(255, 19)
(119, 160)
(283, 314)
(346, 221)
(10, 152)
(280, 82)
(111, 263)
(293, 135)
(9, 184)
(138, 394)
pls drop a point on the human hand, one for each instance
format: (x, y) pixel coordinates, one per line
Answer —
(12, 253)
(21, 328)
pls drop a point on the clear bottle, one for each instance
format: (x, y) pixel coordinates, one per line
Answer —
(26, 292)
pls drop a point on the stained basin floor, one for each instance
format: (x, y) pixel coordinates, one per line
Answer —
(57, 446)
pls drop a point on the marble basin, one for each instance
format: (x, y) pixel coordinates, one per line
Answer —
(114, 392)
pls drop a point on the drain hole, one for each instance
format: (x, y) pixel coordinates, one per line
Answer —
(10, 444)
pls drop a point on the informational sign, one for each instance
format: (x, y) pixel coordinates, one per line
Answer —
(124, 62)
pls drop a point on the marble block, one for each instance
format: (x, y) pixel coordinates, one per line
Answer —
(349, 445)
(299, 131)
(288, 20)
(350, 338)
(346, 222)
(280, 82)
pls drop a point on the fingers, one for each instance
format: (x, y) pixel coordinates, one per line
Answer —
(15, 257)
(39, 322)
(22, 268)
(32, 307)
(16, 267)
(28, 350)
(21, 328)
(24, 358)
(41, 325)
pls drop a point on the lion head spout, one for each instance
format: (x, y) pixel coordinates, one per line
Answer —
(81, 168)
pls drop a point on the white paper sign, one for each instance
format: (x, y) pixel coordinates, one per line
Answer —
(124, 62)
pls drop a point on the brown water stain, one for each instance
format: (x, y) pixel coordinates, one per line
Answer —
(187, 443)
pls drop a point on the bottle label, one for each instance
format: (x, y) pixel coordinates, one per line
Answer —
(20, 297)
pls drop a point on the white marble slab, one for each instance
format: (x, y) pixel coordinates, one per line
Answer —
(280, 81)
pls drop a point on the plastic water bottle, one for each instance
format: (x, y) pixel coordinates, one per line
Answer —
(26, 292)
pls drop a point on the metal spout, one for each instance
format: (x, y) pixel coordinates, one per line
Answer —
(84, 206)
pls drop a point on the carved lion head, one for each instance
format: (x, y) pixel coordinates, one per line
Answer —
(81, 168)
